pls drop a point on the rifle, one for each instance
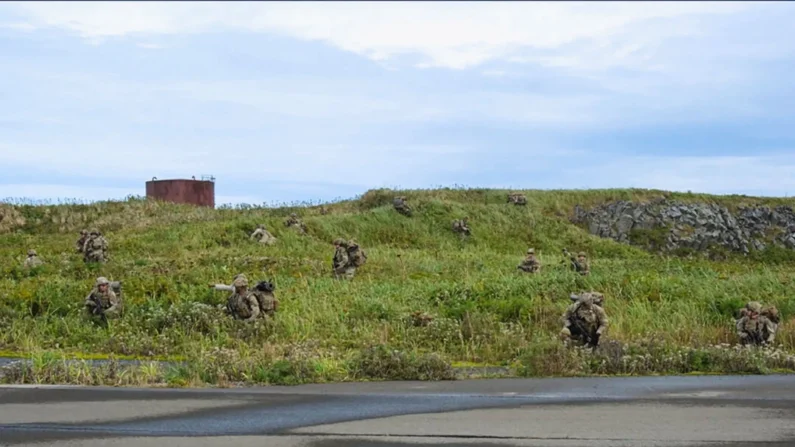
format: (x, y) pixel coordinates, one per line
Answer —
(590, 340)
(98, 310)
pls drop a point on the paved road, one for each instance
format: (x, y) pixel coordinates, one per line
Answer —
(678, 411)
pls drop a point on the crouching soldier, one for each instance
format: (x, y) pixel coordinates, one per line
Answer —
(102, 302)
(242, 304)
(32, 260)
(263, 236)
(296, 223)
(268, 304)
(579, 263)
(757, 326)
(461, 227)
(95, 248)
(399, 203)
(340, 264)
(584, 322)
(530, 264)
(517, 199)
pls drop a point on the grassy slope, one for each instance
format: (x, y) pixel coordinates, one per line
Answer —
(485, 311)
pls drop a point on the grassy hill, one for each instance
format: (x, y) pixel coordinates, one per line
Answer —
(667, 315)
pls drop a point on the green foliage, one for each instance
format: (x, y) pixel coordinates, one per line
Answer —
(484, 310)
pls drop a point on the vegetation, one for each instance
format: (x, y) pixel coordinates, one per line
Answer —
(667, 314)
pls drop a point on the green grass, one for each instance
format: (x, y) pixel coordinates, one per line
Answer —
(484, 311)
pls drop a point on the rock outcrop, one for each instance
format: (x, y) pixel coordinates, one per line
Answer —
(669, 225)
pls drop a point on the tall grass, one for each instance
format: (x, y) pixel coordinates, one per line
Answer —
(483, 309)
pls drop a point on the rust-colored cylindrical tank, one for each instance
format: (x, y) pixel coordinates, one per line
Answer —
(194, 192)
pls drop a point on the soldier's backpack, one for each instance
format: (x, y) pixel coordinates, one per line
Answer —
(357, 256)
(264, 292)
(771, 313)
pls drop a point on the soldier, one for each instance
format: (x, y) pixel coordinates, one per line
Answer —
(755, 326)
(517, 198)
(102, 302)
(340, 262)
(294, 222)
(584, 322)
(32, 260)
(268, 304)
(95, 247)
(530, 263)
(578, 264)
(461, 227)
(401, 207)
(82, 241)
(242, 304)
(263, 236)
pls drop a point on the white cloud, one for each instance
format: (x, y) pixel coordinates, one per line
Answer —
(453, 35)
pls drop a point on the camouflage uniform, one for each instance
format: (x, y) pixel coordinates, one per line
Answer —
(340, 264)
(517, 199)
(294, 222)
(530, 263)
(32, 260)
(263, 236)
(401, 207)
(460, 226)
(268, 304)
(598, 298)
(95, 247)
(242, 304)
(580, 263)
(82, 241)
(584, 322)
(102, 301)
(755, 326)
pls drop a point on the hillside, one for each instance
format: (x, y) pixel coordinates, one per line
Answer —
(667, 310)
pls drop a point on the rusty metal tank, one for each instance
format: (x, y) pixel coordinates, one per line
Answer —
(190, 191)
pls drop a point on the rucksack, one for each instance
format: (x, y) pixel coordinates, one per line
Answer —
(357, 256)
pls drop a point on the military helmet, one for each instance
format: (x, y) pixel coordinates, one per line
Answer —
(31, 252)
(339, 241)
(102, 280)
(754, 306)
(582, 253)
(293, 215)
(531, 251)
(83, 232)
(240, 281)
(587, 299)
(94, 231)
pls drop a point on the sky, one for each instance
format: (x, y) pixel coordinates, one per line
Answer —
(301, 101)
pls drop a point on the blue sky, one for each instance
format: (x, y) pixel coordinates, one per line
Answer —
(302, 101)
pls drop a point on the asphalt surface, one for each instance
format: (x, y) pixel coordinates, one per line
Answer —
(677, 411)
